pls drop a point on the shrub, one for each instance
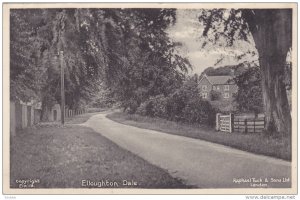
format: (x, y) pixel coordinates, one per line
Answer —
(142, 109)
(184, 104)
(130, 106)
(174, 106)
(154, 107)
(199, 111)
(159, 106)
(215, 95)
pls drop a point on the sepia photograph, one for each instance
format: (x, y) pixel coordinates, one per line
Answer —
(150, 98)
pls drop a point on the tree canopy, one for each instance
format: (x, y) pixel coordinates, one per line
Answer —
(249, 96)
(229, 70)
(127, 50)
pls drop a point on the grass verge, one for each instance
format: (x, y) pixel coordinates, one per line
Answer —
(63, 156)
(259, 143)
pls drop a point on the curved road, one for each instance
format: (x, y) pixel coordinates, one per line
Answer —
(199, 163)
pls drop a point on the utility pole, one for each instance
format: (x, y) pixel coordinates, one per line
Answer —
(62, 89)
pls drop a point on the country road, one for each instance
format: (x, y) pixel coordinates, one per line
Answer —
(198, 163)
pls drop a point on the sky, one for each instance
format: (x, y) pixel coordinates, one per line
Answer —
(187, 30)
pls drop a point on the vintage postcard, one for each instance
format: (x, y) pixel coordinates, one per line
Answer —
(150, 98)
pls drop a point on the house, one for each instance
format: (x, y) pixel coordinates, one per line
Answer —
(222, 84)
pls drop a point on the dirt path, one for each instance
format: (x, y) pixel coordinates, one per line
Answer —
(197, 162)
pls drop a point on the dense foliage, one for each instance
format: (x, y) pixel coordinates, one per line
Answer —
(110, 56)
(249, 96)
(184, 104)
(215, 95)
(25, 71)
(148, 64)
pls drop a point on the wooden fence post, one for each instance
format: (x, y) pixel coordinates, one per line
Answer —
(218, 121)
(231, 123)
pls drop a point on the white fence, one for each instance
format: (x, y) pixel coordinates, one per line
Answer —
(249, 125)
(71, 113)
(224, 122)
(230, 123)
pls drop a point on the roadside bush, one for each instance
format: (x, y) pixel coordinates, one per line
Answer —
(159, 106)
(153, 107)
(175, 105)
(143, 108)
(130, 106)
(190, 109)
(184, 104)
(199, 111)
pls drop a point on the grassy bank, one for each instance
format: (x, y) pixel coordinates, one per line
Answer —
(63, 156)
(256, 143)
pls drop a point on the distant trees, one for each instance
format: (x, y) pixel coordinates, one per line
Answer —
(229, 70)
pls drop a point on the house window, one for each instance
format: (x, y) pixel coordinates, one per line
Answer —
(218, 87)
(226, 88)
(204, 95)
(226, 95)
(204, 87)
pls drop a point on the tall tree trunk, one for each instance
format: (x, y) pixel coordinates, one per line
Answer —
(272, 33)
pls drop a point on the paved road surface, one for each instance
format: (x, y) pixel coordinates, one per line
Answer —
(199, 163)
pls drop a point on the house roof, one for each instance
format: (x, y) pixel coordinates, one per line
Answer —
(218, 80)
